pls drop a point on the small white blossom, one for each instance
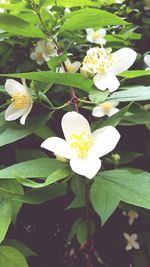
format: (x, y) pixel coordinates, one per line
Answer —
(107, 108)
(97, 36)
(71, 67)
(2, 10)
(131, 241)
(21, 101)
(147, 61)
(43, 51)
(67, 10)
(147, 4)
(119, 1)
(82, 147)
(103, 66)
(132, 215)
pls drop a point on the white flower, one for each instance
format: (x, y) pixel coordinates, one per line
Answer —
(67, 10)
(103, 66)
(107, 108)
(147, 61)
(21, 101)
(43, 51)
(82, 148)
(119, 1)
(71, 67)
(2, 10)
(97, 36)
(147, 4)
(131, 241)
(132, 216)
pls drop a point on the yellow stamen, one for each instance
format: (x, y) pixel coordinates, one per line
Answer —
(107, 106)
(95, 36)
(81, 143)
(20, 101)
(99, 60)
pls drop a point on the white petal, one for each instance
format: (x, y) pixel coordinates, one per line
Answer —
(126, 236)
(123, 59)
(136, 245)
(40, 45)
(105, 140)
(147, 60)
(76, 65)
(98, 111)
(106, 81)
(87, 167)
(12, 114)
(131, 221)
(128, 247)
(112, 111)
(25, 113)
(102, 32)
(100, 41)
(13, 87)
(134, 236)
(73, 122)
(67, 61)
(58, 146)
(89, 31)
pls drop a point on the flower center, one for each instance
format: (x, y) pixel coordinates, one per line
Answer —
(70, 68)
(107, 106)
(95, 36)
(81, 143)
(39, 56)
(20, 101)
(98, 60)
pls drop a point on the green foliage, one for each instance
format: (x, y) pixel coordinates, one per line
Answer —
(36, 38)
(79, 20)
(37, 168)
(10, 257)
(16, 27)
(128, 185)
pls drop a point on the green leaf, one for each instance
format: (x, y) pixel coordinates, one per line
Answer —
(13, 187)
(73, 230)
(137, 93)
(39, 196)
(26, 251)
(19, 27)
(75, 3)
(68, 79)
(139, 258)
(12, 131)
(55, 176)
(44, 132)
(98, 96)
(5, 217)
(79, 20)
(29, 154)
(11, 257)
(55, 61)
(130, 185)
(78, 188)
(82, 231)
(103, 201)
(138, 117)
(79, 229)
(37, 168)
(134, 73)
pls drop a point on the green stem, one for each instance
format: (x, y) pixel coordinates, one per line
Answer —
(88, 220)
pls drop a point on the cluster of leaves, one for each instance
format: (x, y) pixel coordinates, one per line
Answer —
(23, 24)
